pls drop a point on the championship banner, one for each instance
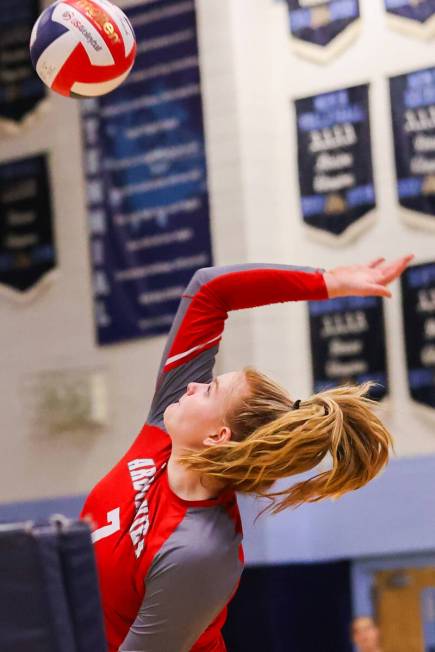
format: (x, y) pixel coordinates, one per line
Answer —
(27, 250)
(348, 343)
(322, 29)
(413, 117)
(335, 164)
(21, 90)
(147, 180)
(418, 306)
(412, 17)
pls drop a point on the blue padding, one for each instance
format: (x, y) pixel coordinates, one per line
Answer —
(81, 586)
(49, 593)
(34, 614)
(47, 545)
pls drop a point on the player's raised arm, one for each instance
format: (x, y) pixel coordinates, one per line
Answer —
(213, 292)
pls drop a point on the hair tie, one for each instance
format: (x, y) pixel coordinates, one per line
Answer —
(297, 404)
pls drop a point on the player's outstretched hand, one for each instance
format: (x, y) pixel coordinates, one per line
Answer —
(365, 280)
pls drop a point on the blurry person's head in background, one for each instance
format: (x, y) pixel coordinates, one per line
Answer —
(365, 634)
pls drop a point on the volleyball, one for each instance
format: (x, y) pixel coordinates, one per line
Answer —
(83, 48)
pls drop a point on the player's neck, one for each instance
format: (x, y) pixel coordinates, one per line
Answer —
(189, 485)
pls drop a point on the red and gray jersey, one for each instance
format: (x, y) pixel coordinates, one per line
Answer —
(168, 567)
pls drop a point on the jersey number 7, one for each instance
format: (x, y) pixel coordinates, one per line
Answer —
(113, 525)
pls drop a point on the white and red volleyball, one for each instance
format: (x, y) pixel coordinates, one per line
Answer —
(83, 48)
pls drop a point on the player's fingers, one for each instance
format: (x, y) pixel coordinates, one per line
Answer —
(376, 262)
(377, 290)
(406, 260)
(396, 268)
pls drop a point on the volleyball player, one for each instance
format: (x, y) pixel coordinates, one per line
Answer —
(167, 528)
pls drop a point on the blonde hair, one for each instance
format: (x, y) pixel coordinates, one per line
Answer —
(271, 440)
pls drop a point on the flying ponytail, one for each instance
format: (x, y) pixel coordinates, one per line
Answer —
(271, 440)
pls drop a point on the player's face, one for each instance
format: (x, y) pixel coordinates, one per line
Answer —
(365, 634)
(198, 418)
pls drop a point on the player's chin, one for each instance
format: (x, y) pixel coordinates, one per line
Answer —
(169, 413)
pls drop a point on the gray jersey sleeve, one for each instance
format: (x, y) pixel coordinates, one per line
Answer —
(192, 578)
(195, 354)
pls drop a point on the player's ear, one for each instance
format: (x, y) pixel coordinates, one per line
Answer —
(221, 436)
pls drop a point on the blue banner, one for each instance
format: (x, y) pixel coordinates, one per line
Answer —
(20, 87)
(147, 178)
(27, 251)
(335, 161)
(348, 343)
(413, 117)
(416, 11)
(320, 23)
(418, 307)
